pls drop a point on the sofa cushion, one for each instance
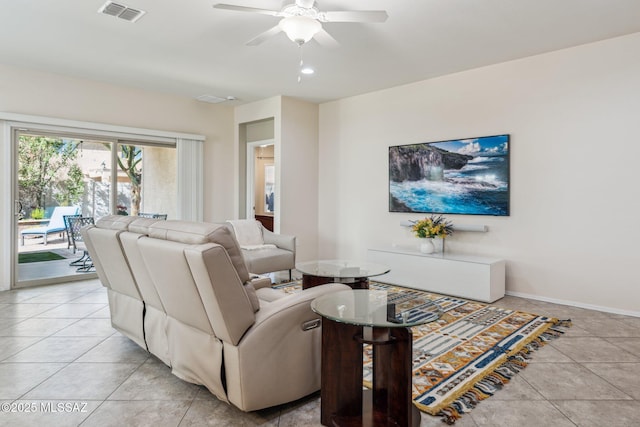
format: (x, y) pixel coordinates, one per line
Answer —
(141, 225)
(198, 233)
(253, 298)
(174, 281)
(273, 259)
(115, 222)
(225, 300)
(260, 282)
(269, 294)
(105, 246)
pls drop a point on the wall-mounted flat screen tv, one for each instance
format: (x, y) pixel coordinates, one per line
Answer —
(462, 176)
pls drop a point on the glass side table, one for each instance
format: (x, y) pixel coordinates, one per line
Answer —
(353, 273)
(350, 319)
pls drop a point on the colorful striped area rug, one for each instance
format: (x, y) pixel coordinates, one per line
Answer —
(468, 354)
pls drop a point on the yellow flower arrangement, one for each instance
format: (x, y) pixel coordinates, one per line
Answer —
(433, 226)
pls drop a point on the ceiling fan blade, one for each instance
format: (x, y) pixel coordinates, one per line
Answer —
(246, 9)
(264, 36)
(325, 39)
(354, 16)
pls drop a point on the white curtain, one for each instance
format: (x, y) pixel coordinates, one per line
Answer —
(190, 179)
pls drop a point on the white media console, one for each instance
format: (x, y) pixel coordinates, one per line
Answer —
(467, 276)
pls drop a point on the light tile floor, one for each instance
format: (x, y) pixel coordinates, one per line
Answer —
(60, 359)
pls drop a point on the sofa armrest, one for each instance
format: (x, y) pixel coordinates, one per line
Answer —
(285, 338)
(283, 241)
(301, 300)
(260, 282)
(276, 319)
(289, 312)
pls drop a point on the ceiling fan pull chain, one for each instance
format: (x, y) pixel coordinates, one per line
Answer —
(300, 63)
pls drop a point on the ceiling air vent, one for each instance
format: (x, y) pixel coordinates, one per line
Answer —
(119, 11)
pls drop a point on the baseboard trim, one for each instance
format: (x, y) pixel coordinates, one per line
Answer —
(575, 304)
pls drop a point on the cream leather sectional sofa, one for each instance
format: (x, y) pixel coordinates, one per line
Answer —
(181, 290)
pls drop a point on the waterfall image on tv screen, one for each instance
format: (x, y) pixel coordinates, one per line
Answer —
(463, 176)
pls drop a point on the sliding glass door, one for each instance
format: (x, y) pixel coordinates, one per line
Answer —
(57, 173)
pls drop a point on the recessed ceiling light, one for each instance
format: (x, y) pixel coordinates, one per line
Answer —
(212, 99)
(307, 70)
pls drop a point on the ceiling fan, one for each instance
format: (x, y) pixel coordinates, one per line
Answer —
(301, 21)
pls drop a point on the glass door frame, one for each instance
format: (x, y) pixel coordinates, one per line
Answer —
(15, 141)
(190, 175)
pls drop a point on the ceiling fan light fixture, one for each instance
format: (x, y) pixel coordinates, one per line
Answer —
(300, 29)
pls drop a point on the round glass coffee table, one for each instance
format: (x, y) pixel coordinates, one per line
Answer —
(353, 273)
(350, 319)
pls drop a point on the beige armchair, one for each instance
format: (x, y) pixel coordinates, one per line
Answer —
(266, 253)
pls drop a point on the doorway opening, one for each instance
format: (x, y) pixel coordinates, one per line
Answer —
(261, 182)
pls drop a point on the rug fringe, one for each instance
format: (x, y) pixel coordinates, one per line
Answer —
(495, 380)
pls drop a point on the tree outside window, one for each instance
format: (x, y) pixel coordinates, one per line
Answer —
(48, 172)
(129, 161)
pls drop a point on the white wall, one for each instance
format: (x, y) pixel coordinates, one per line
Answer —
(573, 118)
(299, 175)
(259, 131)
(295, 135)
(44, 94)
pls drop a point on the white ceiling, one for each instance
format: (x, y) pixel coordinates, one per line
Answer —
(189, 48)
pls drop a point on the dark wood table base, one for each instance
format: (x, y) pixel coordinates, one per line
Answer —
(342, 393)
(309, 281)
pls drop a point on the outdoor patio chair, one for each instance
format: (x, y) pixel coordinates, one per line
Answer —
(83, 263)
(56, 224)
(68, 227)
